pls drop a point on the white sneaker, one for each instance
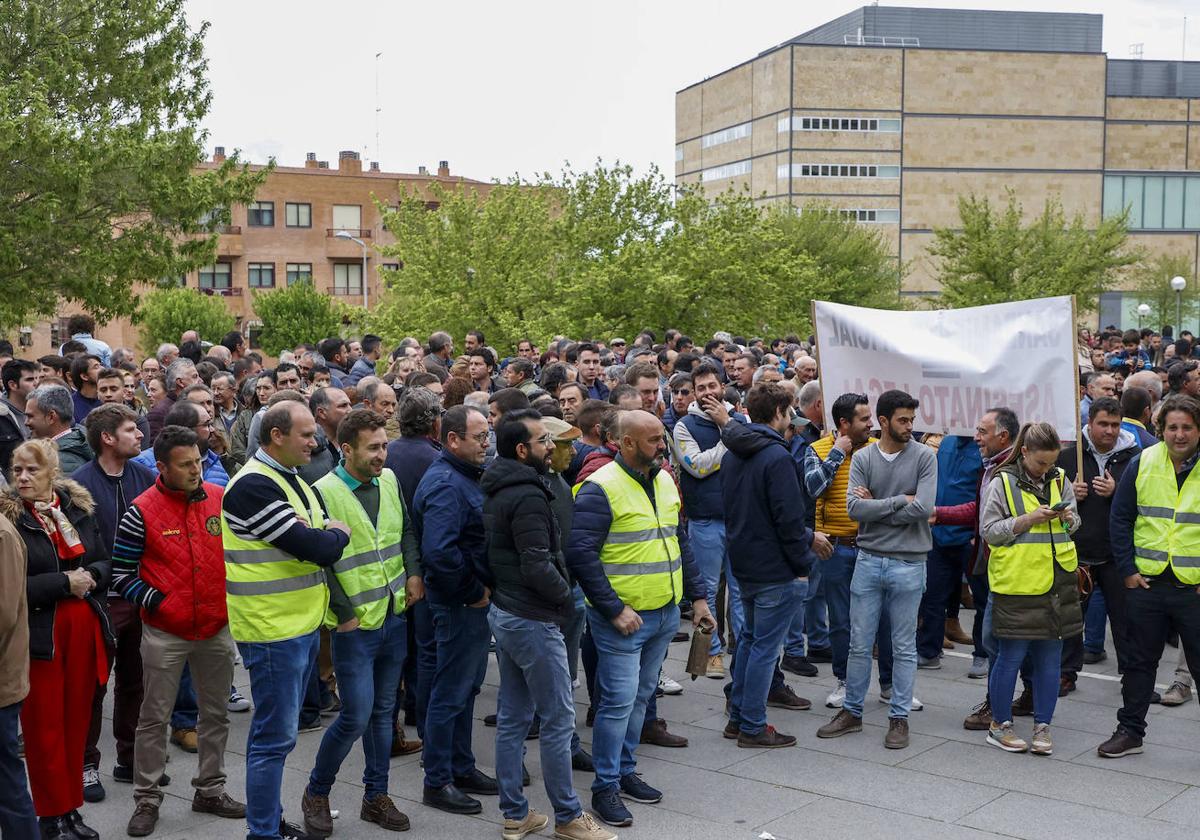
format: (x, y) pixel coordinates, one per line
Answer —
(979, 668)
(668, 685)
(575, 683)
(885, 696)
(837, 696)
(238, 703)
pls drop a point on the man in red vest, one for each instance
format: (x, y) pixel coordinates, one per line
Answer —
(168, 559)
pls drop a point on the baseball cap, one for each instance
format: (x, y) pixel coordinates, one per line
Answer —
(560, 430)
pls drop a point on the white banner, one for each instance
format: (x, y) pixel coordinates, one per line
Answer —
(957, 362)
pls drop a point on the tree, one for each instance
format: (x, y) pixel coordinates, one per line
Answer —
(101, 103)
(1151, 282)
(995, 258)
(166, 313)
(296, 315)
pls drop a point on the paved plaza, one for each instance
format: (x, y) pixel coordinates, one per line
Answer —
(948, 785)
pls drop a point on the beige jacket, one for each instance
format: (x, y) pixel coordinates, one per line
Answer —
(14, 617)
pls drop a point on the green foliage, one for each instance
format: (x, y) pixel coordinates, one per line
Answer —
(1151, 284)
(995, 258)
(101, 103)
(296, 315)
(165, 314)
(602, 252)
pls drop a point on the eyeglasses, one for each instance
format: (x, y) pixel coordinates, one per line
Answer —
(683, 392)
(481, 438)
(546, 439)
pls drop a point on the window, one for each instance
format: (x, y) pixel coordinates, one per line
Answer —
(877, 216)
(725, 135)
(298, 215)
(390, 267)
(218, 276)
(1155, 202)
(347, 278)
(253, 333)
(261, 214)
(299, 273)
(729, 170)
(262, 275)
(678, 153)
(838, 170)
(797, 123)
(347, 217)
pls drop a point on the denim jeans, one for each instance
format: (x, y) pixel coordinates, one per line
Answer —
(707, 537)
(421, 618)
(943, 571)
(794, 636)
(979, 593)
(837, 574)
(461, 634)
(186, 710)
(1094, 621)
(816, 614)
(17, 818)
(626, 676)
(573, 637)
(279, 673)
(1045, 658)
(368, 665)
(769, 612)
(883, 584)
(534, 679)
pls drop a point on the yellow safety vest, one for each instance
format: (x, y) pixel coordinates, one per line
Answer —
(271, 595)
(641, 555)
(830, 506)
(372, 566)
(1026, 567)
(1167, 530)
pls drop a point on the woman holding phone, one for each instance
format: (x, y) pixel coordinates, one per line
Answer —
(1027, 519)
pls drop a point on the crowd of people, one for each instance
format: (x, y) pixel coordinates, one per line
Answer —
(362, 530)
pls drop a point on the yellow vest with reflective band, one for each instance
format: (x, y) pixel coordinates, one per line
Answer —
(641, 555)
(830, 506)
(1026, 567)
(371, 570)
(1167, 530)
(271, 595)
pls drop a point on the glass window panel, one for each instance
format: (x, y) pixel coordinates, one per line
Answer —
(1191, 203)
(889, 171)
(299, 272)
(347, 217)
(1152, 203)
(1113, 185)
(1172, 203)
(887, 215)
(1133, 198)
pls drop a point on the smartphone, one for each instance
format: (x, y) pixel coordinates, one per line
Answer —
(1060, 506)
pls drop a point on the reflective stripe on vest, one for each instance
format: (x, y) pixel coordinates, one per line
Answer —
(271, 595)
(641, 555)
(1167, 529)
(1026, 566)
(371, 570)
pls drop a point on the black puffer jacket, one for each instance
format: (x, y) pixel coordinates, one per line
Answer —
(524, 549)
(46, 579)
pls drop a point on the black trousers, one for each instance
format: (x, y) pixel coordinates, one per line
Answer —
(1108, 580)
(1152, 613)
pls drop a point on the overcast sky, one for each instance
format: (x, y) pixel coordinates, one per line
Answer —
(499, 88)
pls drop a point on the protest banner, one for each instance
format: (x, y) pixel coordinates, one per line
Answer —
(957, 362)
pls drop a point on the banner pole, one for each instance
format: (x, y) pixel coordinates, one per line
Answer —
(1075, 358)
(826, 409)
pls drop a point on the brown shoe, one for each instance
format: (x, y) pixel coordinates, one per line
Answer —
(382, 811)
(897, 734)
(842, 723)
(1119, 745)
(403, 746)
(145, 817)
(767, 739)
(223, 805)
(955, 632)
(947, 643)
(1023, 707)
(185, 739)
(317, 819)
(785, 698)
(655, 732)
(980, 718)
(1065, 686)
(731, 731)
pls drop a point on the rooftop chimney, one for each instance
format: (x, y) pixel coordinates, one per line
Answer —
(349, 163)
(443, 169)
(310, 160)
(374, 166)
(422, 170)
(322, 164)
(219, 154)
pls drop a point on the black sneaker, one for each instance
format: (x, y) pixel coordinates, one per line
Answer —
(290, 831)
(93, 790)
(582, 761)
(800, 666)
(607, 805)
(124, 774)
(489, 720)
(634, 789)
(824, 654)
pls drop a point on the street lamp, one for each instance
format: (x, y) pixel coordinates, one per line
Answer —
(345, 234)
(1143, 310)
(1178, 284)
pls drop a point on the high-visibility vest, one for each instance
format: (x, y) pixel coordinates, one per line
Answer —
(1026, 567)
(641, 555)
(371, 570)
(830, 506)
(1167, 530)
(271, 595)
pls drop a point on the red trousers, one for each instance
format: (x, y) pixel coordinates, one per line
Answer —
(58, 711)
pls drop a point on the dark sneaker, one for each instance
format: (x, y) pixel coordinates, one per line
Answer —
(824, 654)
(223, 805)
(489, 720)
(450, 799)
(582, 761)
(317, 819)
(784, 698)
(590, 717)
(1091, 657)
(1065, 686)
(767, 739)
(843, 722)
(291, 831)
(55, 828)
(633, 788)
(655, 732)
(799, 665)
(607, 805)
(897, 734)
(1023, 707)
(145, 817)
(93, 790)
(731, 731)
(382, 811)
(980, 718)
(124, 774)
(478, 783)
(1119, 745)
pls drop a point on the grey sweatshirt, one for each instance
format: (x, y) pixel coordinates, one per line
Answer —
(888, 524)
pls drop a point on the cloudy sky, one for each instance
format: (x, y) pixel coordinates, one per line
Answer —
(524, 86)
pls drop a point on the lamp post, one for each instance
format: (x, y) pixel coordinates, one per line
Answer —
(1143, 309)
(1178, 284)
(345, 234)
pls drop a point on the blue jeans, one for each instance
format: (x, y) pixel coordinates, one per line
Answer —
(461, 634)
(367, 664)
(186, 711)
(279, 674)
(626, 676)
(810, 627)
(17, 818)
(883, 584)
(573, 637)
(836, 575)
(707, 537)
(534, 678)
(979, 593)
(943, 571)
(769, 613)
(1046, 660)
(426, 655)
(1094, 621)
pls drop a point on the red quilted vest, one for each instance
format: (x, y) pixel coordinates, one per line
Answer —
(184, 560)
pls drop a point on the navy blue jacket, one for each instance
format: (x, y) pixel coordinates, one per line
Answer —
(702, 496)
(1124, 514)
(409, 458)
(135, 479)
(593, 518)
(959, 467)
(448, 514)
(598, 391)
(765, 531)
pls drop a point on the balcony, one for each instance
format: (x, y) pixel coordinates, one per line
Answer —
(231, 292)
(229, 230)
(359, 233)
(229, 241)
(340, 291)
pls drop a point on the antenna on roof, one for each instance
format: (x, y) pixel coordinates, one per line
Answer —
(378, 108)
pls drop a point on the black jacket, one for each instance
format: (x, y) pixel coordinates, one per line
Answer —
(46, 582)
(1092, 540)
(524, 548)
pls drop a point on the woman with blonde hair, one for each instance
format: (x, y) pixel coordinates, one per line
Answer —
(69, 635)
(1027, 519)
